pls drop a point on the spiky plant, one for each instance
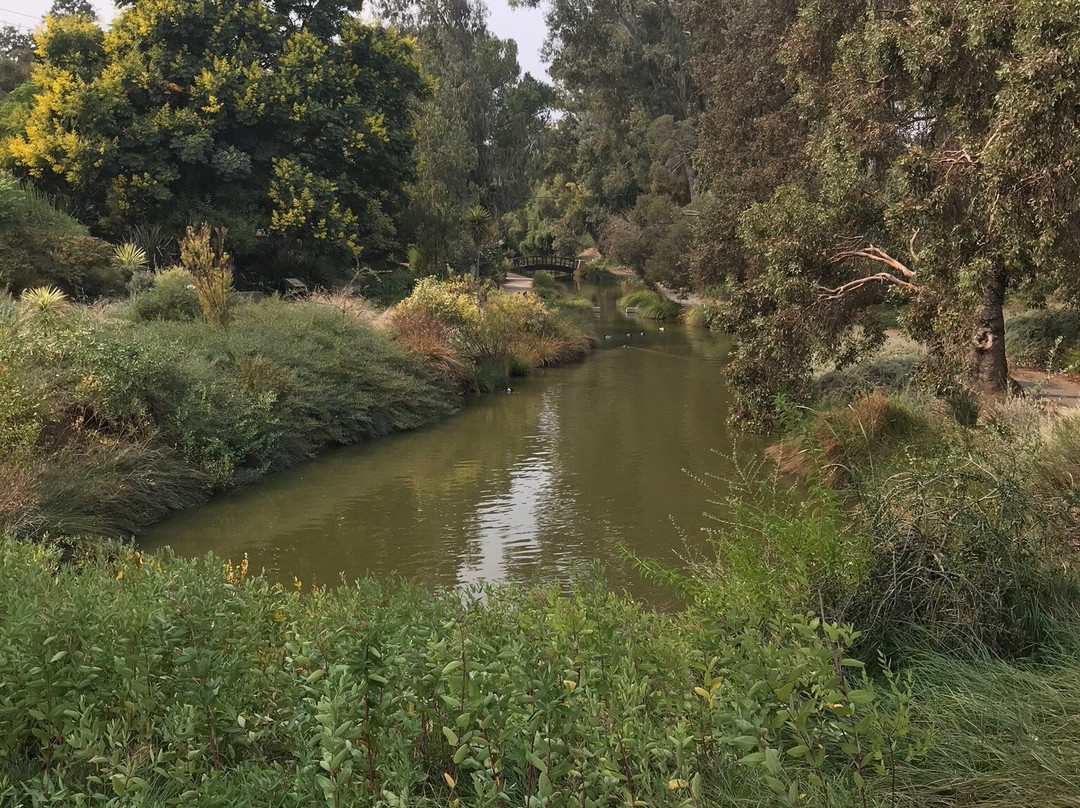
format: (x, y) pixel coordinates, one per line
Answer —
(477, 222)
(44, 303)
(44, 300)
(130, 257)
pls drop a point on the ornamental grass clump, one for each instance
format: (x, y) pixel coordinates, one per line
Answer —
(651, 305)
(108, 424)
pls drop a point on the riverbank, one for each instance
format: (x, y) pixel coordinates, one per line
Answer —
(109, 420)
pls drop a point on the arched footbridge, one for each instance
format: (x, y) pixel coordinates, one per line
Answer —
(529, 264)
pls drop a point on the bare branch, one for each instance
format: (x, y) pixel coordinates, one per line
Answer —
(901, 275)
(828, 294)
(872, 253)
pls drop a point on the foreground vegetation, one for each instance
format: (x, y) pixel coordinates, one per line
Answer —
(131, 679)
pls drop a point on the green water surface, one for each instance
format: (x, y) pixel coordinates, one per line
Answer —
(541, 483)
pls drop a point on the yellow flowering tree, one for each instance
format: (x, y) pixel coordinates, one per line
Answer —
(290, 125)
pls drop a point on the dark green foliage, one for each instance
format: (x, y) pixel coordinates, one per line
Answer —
(937, 170)
(16, 58)
(1042, 338)
(480, 132)
(652, 240)
(174, 680)
(42, 246)
(751, 134)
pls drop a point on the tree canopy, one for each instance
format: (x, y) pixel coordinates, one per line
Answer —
(940, 173)
(291, 124)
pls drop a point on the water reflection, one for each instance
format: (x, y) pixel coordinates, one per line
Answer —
(572, 466)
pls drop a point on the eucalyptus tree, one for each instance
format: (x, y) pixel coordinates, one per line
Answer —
(481, 131)
(623, 72)
(16, 58)
(941, 173)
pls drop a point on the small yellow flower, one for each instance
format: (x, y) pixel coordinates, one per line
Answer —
(571, 685)
(675, 785)
(120, 575)
(279, 616)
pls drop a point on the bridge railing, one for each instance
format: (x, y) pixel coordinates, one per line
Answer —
(555, 262)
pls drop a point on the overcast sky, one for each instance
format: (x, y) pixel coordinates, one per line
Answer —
(524, 25)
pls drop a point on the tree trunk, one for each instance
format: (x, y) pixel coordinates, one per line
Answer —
(989, 367)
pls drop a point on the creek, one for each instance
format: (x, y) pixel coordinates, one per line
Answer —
(566, 473)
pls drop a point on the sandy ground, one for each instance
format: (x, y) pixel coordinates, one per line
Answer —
(1060, 388)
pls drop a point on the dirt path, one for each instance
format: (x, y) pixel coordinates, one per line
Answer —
(1061, 389)
(516, 284)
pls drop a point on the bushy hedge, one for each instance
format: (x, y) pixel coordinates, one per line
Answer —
(136, 680)
(1036, 338)
(484, 335)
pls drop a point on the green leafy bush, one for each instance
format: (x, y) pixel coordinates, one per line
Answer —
(1034, 338)
(161, 681)
(42, 246)
(959, 534)
(172, 297)
(651, 305)
(484, 335)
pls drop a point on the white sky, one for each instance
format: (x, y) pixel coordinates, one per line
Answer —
(524, 25)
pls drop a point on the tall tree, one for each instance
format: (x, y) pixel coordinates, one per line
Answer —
(751, 133)
(289, 123)
(623, 72)
(942, 172)
(16, 58)
(481, 131)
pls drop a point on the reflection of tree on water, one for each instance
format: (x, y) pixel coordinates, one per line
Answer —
(541, 483)
(375, 508)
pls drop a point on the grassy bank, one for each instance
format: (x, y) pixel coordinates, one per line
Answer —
(114, 415)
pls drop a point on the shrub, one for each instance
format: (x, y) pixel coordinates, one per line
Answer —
(248, 694)
(965, 530)
(892, 373)
(202, 254)
(423, 334)
(1036, 337)
(494, 335)
(545, 286)
(172, 297)
(651, 305)
(959, 564)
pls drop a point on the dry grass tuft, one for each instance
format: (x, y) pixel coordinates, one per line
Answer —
(838, 437)
(423, 334)
(349, 303)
